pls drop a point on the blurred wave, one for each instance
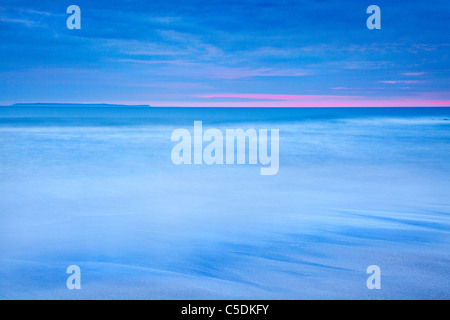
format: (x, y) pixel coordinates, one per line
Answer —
(96, 187)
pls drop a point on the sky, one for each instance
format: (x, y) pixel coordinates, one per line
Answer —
(243, 53)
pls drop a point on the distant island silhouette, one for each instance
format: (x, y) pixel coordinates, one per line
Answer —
(41, 104)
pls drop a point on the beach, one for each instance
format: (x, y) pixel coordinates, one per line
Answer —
(96, 187)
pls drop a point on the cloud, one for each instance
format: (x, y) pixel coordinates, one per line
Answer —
(304, 104)
(187, 68)
(34, 12)
(359, 65)
(164, 20)
(400, 81)
(263, 96)
(26, 22)
(413, 74)
(222, 72)
(25, 16)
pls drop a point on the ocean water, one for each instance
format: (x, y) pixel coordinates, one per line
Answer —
(96, 187)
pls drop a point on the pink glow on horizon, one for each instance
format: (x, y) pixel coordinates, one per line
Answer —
(297, 104)
(283, 104)
(298, 101)
(264, 96)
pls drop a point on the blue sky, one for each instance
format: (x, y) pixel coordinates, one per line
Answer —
(226, 53)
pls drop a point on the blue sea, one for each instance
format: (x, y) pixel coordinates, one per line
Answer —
(95, 186)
